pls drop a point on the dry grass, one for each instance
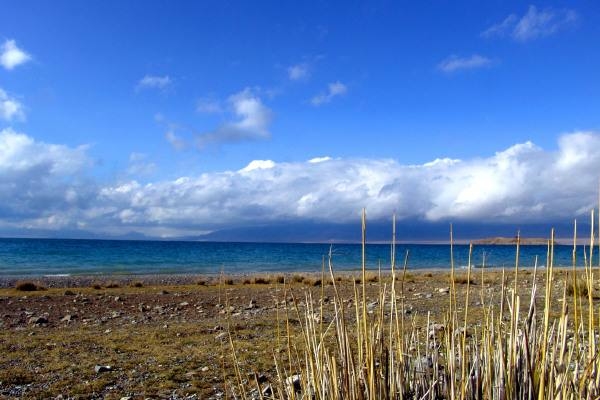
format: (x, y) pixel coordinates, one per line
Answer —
(517, 350)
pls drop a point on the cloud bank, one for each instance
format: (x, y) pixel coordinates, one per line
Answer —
(44, 187)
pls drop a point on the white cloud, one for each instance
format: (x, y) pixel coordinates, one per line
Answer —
(12, 56)
(319, 159)
(253, 121)
(10, 108)
(333, 89)
(534, 24)
(154, 82)
(258, 164)
(40, 183)
(455, 63)
(521, 184)
(298, 72)
(41, 186)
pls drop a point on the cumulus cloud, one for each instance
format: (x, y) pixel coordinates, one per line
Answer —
(12, 56)
(154, 82)
(334, 89)
(252, 121)
(521, 184)
(40, 183)
(534, 24)
(298, 72)
(455, 63)
(10, 108)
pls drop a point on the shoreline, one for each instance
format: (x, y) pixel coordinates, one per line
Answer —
(174, 279)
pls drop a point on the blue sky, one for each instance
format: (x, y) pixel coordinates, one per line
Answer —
(179, 119)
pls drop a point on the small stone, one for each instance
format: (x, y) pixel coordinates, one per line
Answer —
(126, 398)
(38, 320)
(184, 304)
(221, 336)
(444, 290)
(102, 368)
(68, 318)
(204, 369)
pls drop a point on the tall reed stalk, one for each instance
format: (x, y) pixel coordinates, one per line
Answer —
(377, 352)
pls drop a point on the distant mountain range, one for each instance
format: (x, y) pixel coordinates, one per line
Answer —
(311, 232)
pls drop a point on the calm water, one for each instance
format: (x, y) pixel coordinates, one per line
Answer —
(84, 257)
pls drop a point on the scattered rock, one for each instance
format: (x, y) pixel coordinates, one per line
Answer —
(444, 290)
(184, 304)
(102, 368)
(204, 369)
(38, 320)
(221, 336)
(68, 318)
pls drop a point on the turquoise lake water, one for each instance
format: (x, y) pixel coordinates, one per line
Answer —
(91, 257)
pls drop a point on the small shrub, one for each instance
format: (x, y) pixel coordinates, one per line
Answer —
(261, 281)
(317, 282)
(27, 286)
(137, 284)
(463, 280)
(113, 285)
(247, 281)
(298, 278)
(201, 282)
(280, 279)
(97, 286)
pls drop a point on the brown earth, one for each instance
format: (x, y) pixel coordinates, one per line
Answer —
(169, 337)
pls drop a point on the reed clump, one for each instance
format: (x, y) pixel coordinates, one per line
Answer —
(374, 349)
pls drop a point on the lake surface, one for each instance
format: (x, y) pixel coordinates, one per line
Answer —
(91, 257)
